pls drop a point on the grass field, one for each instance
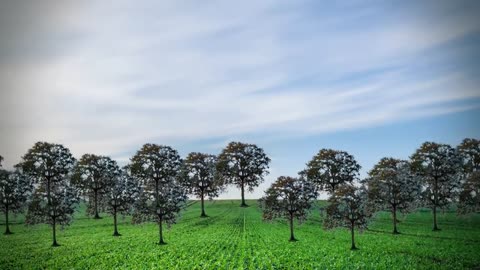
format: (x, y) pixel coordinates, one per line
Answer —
(237, 238)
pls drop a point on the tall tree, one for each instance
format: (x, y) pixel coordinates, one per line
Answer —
(330, 169)
(198, 175)
(94, 175)
(162, 197)
(348, 208)
(1, 160)
(15, 188)
(244, 165)
(121, 196)
(54, 198)
(290, 198)
(394, 187)
(439, 166)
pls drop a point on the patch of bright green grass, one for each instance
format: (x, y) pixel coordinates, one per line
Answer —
(237, 238)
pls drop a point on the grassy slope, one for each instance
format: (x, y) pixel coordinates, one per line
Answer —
(234, 237)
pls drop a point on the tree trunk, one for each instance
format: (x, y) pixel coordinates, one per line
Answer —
(435, 203)
(395, 231)
(7, 229)
(435, 226)
(115, 232)
(95, 204)
(292, 237)
(203, 206)
(54, 244)
(243, 196)
(353, 235)
(161, 242)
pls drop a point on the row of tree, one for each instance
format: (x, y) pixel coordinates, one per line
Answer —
(436, 176)
(49, 182)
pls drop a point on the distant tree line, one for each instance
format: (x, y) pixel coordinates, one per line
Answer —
(49, 183)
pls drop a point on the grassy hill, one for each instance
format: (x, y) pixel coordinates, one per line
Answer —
(237, 238)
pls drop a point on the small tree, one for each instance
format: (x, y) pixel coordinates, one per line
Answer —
(157, 167)
(94, 175)
(54, 198)
(198, 175)
(330, 169)
(14, 190)
(121, 196)
(243, 165)
(439, 167)
(394, 187)
(288, 198)
(469, 151)
(469, 200)
(348, 208)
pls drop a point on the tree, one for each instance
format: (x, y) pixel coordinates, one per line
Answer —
(198, 175)
(161, 198)
(94, 175)
(469, 199)
(330, 169)
(54, 198)
(439, 167)
(14, 190)
(121, 196)
(289, 198)
(394, 187)
(348, 208)
(243, 165)
(469, 151)
(1, 160)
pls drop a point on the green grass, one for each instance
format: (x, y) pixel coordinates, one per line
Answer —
(237, 238)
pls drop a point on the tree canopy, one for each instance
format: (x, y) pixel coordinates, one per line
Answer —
(469, 150)
(330, 169)
(244, 165)
(198, 176)
(290, 198)
(94, 174)
(121, 196)
(54, 197)
(394, 187)
(161, 197)
(348, 208)
(15, 188)
(439, 167)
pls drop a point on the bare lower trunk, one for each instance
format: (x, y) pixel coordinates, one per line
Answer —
(115, 232)
(395, 231)
(292, 237)
(96, 205)
(435, 226)
(161, 242)
(243, 196)
(352, 228)
(435, 203)
(7, 229)
(203, 206)
(54, 244)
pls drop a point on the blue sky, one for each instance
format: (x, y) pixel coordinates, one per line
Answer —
(373, 78)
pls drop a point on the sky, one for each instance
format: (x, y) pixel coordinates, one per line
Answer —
(373, 78)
